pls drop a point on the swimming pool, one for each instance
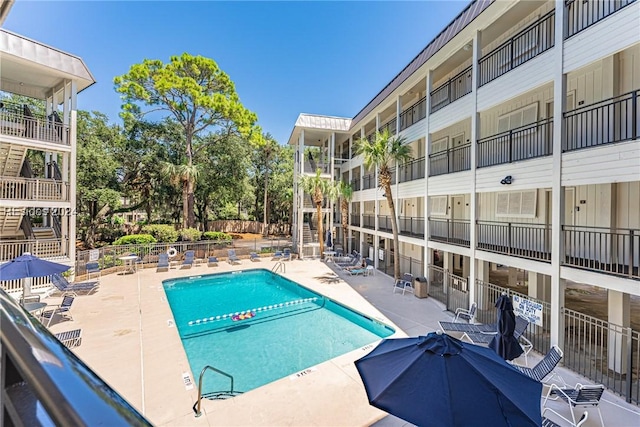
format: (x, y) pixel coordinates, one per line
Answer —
(259, 327)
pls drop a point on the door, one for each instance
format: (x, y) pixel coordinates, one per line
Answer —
(459, 213)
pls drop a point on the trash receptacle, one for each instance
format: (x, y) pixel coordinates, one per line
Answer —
(421, 287)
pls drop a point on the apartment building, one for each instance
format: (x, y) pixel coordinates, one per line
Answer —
(524, 126)
(39, 86)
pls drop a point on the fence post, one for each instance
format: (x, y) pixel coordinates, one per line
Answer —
(631, 245)
(509, 237)
(634, 115)
(445, 287)
(629, 376)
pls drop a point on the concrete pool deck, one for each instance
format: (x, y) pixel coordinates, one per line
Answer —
(130, 341)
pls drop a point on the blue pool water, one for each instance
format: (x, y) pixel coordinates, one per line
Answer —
(287, 328)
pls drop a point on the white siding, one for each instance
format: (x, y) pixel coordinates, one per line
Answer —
(453, 183)
(415, 131)
(524, 78)
(628, 205)
(630, 69)
(452, 113)
(413, 188)
(609, 163)
(528, 174)
(619, 30)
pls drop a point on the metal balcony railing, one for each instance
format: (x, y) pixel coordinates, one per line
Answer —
(412, 170)
(355, 219)
(312, 167)
(613, 120)
(413, 114)
(369, 181)
(389, 126)
(411, 226)
(452, 90)
(531, 241)
(355, 184)
(369, 221)
(449, 161)
(454, 231)
(581, 14)
(34, 189)
(384, 223)
(526, 142)
(524, 46)
(613, 251)
(17, 120)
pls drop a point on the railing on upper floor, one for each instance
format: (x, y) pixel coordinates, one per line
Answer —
(451, 160)
(581, 14)
(369, 181)
(413, 114)
(33, 189)
(384, 223)
(522, 143)
(355, 184)
(608, 250)
(345, 154)
(531, 241)
(411, 226)
(452, 90)
(520, 48)
(44, 383)
(454, 231)
(54, 171)
(370, 136)
(43, 248)
(369, 221)
(411, 170)
(312, 168)
(613, 120)
(17, 120)
(390, 126)
(355, 219)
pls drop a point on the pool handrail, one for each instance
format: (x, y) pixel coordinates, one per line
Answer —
(197, 406)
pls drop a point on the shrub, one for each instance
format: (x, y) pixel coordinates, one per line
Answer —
(190, 234)
(162, 232)
(134, 239)
(216, 235)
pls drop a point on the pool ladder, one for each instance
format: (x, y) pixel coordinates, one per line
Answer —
(279, 266)
(214, 395)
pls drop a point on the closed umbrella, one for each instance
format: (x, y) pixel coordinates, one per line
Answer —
(327, 241)
(504, 343)
(438, 380)
(26, 266)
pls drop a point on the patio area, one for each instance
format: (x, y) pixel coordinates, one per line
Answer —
(129, 339)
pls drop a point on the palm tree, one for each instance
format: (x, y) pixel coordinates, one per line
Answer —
(345, 193)
(318, 188)
(381, 152)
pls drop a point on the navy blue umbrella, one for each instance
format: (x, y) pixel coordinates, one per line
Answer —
(437, 380)
(28, 265)
(327, 242)
(504, 343)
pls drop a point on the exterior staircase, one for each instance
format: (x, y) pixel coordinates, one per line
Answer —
(44, 233)
(10, 223)
(307, 236)
(11, 159)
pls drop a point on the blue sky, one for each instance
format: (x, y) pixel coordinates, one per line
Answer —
(285, 57)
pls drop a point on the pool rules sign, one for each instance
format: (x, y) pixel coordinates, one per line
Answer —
(530, 310)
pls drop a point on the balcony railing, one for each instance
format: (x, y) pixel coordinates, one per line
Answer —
(612, 120)
(526, 142)
(411, 226)
(312, 167)
(412, 170)
(413, 114)
(531, 241)
(369, 221)
(17, 188)
(344, 154)
(614, 251)
(389, 126)
(453, 231)
(524, 46)
(369, 181)
(384, 223)
(17, 120)
(370, 136)
(449, 161)
(355, 219)
(452, 90)
(355, 184)
(581, 14)
(44, 248)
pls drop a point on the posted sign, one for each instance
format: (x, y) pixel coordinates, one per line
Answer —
(530, 310)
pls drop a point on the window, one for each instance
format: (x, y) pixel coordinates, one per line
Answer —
(520, 117)
(521, 204)
(439, 205)
(440, 145)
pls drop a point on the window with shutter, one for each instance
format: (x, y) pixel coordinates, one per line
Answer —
(520, 117)
(518, 204)
(440, 145)
(438, 205)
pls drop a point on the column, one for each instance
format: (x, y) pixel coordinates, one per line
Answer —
(619, 313)
(513, 276)
(475, 131)
(301, 197)
(536, 288)
(427, 142)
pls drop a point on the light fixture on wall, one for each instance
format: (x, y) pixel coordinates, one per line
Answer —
(467, 47)
(507, 180)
